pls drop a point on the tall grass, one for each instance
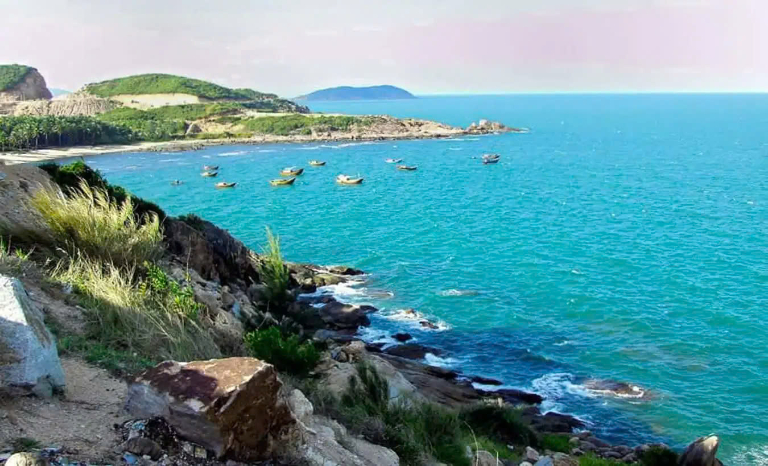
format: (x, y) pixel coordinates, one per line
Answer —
(272, 270)
(90, 223)
(123, 315)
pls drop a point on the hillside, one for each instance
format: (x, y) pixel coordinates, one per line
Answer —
(385, 92)
(170, 84)
(21, 82)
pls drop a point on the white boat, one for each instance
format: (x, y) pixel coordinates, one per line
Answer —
(394, 160)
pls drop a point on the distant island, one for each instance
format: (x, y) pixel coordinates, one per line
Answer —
(385, 92)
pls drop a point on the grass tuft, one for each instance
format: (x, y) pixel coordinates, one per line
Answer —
(24, 444)
(591, 460)
(499, 422)
(556, 442)
(273, 271)
(286, 353)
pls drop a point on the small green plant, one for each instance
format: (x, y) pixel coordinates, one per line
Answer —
(500, 422)
(273, 271)
(591, 460)
(116, 361)
(659, 456)
(22, 444)
(286, 353)
(166, 290)
(556, 442)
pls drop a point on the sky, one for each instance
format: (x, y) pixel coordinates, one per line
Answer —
(292, 47)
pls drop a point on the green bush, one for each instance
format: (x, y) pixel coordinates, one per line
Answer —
(163, 289)
(11, 75)
(591, 460)
(286, 353)
(500, 422)
(285, 125)
(659, 456)
(556, 442)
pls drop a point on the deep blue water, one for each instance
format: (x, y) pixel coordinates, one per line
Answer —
(623, 238)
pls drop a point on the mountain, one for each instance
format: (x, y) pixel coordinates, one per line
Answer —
(385, 92)
(21, 82)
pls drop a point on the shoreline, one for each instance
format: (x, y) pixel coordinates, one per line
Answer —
(43, 155)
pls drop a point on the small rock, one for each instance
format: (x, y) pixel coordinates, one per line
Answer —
(561, 459)
(544, 461)
(412, 351)
(584, 435)
(630, 458)
(428, 324)
(587, 446)
(485, 380)
(612, 455)
(531, 454)
(300, 406)
(355, 350)
(142, 446)
(573, 441)
(402, 337)
(525, 463)
(484, 458)
(577, 452)
(598, 443)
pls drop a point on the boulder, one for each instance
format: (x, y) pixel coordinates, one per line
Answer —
(26, 459)
(614, 388)
(340, 315)
(702, 452)
(544, 461)
(402, 337)
(29, 361)
(335, 377)
(229, 406)
(412, 351)
(484, 458)
(551, 422)
(344, 270)
(531, 455)
(326, 443)
(485, 380)
(561, 459)
(514, 396)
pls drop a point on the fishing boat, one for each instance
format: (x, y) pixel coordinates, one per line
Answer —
(491, 156)
(407, 168)
(316, 163)
(176, 183)
(344, 179)
(490, 161)
(282, 181)
(210, 168)
(291, 171)
(394, 160)
(224, 184)
(208, 174)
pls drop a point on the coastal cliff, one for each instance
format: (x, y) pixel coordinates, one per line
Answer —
(232, 355)
(18, 83)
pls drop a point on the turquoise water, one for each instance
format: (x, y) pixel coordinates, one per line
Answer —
(623, 238)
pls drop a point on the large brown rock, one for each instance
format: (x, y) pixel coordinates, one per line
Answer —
(702, 452)
(340, 315)
(230, 406)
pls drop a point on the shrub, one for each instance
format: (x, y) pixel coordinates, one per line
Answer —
(659, 456)
(122, 316)
(91, 223)
(556, 442)
(286, 353)
(500, 422)
(591, 460)
(272, 270)
(162, 288)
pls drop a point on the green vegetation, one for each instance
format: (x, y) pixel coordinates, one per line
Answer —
(120, 362)
(272, 270)
(170, 84)
(659, 456)
(11, 75)
(591, 460)
(286, 353)
(23, 444)
(31, 132)
(417, 431)
(302, 124)
(90, 223)
(69, 177)
(146, 126)
(556, 442)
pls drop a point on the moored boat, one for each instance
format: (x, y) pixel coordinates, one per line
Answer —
(176, 183)
(208, 174)
(490, 161)
(224, 184)
(210, 168)
(316, 163)
(407, 168)
(291, 171)
(344, 179)
(282, 181)
(394, 160)
(491, 156)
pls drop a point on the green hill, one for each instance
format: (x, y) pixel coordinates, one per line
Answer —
(385, 92)
(11, 75)
(170, 84)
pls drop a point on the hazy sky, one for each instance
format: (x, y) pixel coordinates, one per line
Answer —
(426, 46)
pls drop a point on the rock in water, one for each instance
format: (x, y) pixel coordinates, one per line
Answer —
(29, 361)
(701, 452)
(230, 406)
(340, 315)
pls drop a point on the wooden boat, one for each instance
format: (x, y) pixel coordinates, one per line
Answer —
(210, 168)
(316, 163)
(490, 161)
(224, 184)
(394, 160)
(176, 183)
(407, 168)
(344, 179)
(282, 181)
(291, 171)
(209, 174)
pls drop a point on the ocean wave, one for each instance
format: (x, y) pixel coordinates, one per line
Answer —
(553, 387)
(455, 148)
(229, 154)
(352, 144)
(562, 343)
(170, 160)
(437, 361)
(310, 147)
(267, 150)
(416, 319)
(455, 292)
(450, 139)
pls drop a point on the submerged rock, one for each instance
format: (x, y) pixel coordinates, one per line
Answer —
(229, 406)
(412, 351)
(514, 396)
(29, 361)
(402, 337)
(614, 388)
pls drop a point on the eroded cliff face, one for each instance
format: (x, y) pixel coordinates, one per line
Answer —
(72, 105)
(33, 87)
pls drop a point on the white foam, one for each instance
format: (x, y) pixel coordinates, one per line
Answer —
(577, 272)
(267, 150)
(553, 387)
(170, 160)
(454, 148)
(562, 343)
(310, 148)
(229, 154)
(455, 292)
(437, 361)
(414, 319)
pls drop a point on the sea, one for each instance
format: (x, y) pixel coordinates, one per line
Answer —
(623, 238)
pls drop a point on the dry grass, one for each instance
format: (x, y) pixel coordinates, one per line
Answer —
(88, 222)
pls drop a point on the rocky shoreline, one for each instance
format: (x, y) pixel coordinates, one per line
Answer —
(237, 409)
(401, 129)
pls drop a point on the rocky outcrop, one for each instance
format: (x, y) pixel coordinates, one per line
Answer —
(72, 105)
(31, 87)
(29, 361)
(342, 316)
(229, 406)
(484, 127)
(412, 351)
(702, 452)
